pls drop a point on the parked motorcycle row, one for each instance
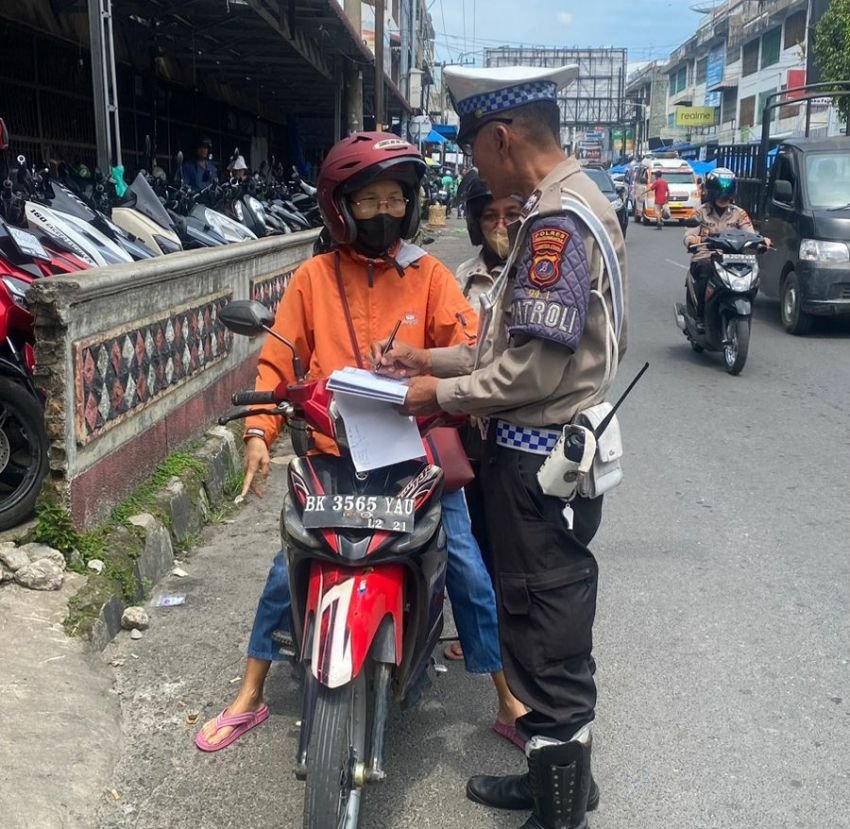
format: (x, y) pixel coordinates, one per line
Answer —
(56, 222)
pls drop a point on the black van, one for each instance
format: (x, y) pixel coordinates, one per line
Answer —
(797, 191)
(807, 215)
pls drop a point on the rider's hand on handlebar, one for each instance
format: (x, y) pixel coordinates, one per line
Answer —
(401, 360)
(257, 462)
(693, 241)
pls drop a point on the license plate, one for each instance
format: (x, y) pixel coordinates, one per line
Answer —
(28, 244)
(674, 205)
(738, 258)
(359, 512)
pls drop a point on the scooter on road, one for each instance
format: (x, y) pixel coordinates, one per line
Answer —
(729, 297)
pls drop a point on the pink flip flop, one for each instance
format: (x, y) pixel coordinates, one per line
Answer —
(509, 732)
(240, 723)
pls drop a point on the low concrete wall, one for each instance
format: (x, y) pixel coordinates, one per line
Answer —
(135, 361)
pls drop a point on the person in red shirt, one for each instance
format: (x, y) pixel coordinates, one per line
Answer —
(662, 195)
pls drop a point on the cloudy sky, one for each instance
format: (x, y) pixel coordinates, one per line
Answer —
(648, 28)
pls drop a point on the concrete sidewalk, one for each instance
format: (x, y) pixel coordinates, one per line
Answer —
(60, 733)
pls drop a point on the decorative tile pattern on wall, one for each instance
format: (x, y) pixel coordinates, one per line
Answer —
(269, 290)
(120, 372)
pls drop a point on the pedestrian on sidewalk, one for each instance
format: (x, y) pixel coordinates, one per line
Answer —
(661, 191)
(547, 350)
(367, 191)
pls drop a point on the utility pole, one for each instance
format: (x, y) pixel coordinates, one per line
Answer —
(106, 122)
(379, 65)
(405, 15)
(353, 75)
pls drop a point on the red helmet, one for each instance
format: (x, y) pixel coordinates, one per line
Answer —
(358, 160)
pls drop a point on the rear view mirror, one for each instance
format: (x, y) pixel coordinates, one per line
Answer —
(246, 317)
(783, 191)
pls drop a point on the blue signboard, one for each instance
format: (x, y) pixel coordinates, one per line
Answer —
(714, 75)
(714, 67)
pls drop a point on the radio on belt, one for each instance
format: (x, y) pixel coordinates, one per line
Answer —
(572, 456)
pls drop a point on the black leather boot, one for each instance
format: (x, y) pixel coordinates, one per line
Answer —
(514, 792)
(560, 784)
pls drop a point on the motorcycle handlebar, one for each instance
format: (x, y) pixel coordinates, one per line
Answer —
(250, 398)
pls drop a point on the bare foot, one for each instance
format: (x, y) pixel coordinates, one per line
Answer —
(240, 705)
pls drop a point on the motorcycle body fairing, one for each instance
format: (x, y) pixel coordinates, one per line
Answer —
(356, 592)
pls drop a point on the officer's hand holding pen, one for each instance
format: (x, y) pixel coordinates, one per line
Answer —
(400, 360)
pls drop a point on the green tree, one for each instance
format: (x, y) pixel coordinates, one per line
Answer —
(832, 48)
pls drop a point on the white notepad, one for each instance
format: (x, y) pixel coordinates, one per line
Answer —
(362, 383)
(378, 434)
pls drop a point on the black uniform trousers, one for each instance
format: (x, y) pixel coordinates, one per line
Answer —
(545, 579)
(701, 270)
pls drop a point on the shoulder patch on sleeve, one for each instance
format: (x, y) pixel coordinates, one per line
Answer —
(547, 247)
(551, 283)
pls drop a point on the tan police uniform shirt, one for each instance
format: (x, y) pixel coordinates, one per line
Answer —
(712, 221)
(533, 381)
(475, 278)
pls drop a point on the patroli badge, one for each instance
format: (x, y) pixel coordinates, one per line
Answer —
(547, 247)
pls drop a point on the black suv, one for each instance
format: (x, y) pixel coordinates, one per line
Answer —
(615, 195)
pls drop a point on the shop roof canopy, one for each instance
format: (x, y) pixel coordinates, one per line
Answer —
(448, 131)
(434, 137)
(285, 56)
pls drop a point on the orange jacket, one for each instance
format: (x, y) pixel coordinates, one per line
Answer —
(427, 299)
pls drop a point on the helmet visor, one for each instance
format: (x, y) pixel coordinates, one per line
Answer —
(724, 187)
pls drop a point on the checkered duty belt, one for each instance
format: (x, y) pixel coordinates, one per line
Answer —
(535, 441)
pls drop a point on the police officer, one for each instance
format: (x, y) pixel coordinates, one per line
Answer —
(716, 214)
(547, 351)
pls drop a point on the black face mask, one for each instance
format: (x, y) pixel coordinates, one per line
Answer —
(377, 235)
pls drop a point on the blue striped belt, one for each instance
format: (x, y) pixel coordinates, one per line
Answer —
(526, 439)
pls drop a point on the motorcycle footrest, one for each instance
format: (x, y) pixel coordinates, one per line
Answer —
(284, 639)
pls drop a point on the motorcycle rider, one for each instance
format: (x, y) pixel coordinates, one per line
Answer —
(717, 213)
(201, 171)
(334, 307)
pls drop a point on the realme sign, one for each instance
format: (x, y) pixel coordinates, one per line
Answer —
(695, 116)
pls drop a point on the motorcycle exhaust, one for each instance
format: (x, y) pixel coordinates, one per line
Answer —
(680, 317)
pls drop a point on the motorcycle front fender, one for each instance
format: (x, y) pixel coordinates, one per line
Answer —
(346, 610)
(737, 306)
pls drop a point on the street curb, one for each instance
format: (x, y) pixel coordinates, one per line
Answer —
(185, 507)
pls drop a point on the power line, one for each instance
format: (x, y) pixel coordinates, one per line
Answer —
(463, 17)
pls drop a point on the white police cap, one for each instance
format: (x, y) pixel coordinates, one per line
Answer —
(480, 95)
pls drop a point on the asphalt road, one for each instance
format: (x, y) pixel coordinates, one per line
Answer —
(723, 634)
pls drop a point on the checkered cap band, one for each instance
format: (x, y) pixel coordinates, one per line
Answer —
(535, 441)
(500, 100)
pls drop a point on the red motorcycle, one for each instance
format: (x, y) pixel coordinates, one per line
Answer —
(367, 567)
(23, 441)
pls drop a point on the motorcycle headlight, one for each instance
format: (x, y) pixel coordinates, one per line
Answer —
(238, 210)
(617, 204)
(213, 219)
(257, 206)
(827, 253)
(736, 281)
(17, 289)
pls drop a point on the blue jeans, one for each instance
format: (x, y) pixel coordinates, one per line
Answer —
(467, 581)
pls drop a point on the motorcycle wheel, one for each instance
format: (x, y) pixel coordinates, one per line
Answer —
(337, 744)
(23, 452)
(737, 344)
